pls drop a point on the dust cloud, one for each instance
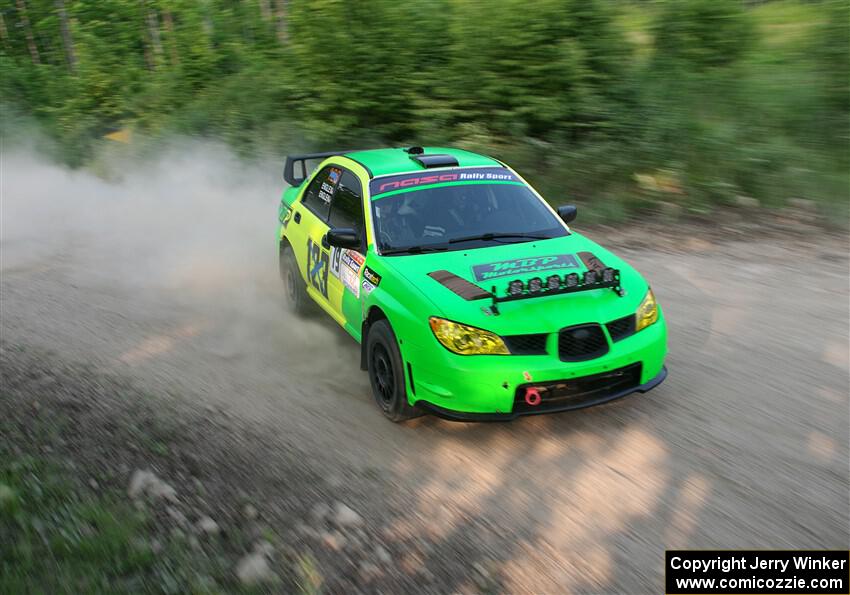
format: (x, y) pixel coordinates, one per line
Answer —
(184, 240)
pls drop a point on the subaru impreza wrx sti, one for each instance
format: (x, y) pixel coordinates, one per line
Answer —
(470, 296)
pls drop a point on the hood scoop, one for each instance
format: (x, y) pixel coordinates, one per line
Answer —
(435, 160)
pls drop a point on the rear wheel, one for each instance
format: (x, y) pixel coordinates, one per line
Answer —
(295, 291)
(386, 373)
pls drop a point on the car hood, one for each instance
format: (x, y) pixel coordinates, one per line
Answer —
(497, 265)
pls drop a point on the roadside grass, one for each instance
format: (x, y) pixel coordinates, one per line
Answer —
(60, 534)
(59, 538)
(67, 524)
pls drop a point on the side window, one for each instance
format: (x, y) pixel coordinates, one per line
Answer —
(319, 193)
(347, 208)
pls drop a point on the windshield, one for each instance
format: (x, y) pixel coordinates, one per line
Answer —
(457, 210)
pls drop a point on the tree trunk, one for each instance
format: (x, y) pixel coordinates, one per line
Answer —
(265, 10)
(207, 21)
(172, 38)
(67, 40)
(4, 33)
(25, 23)
(153, 31)
(149, 61)
(280, 20)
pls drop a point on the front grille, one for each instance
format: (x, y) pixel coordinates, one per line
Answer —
(579, 392)
(582, 342)
(526, 344)
(622, 327)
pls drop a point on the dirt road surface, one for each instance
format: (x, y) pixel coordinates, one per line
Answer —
(744, 446)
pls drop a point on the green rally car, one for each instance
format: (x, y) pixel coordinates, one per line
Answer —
(470, 296)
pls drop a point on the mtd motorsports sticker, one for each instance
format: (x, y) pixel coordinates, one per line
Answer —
(522, 266)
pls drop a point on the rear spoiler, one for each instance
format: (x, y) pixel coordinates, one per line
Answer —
(299, 162)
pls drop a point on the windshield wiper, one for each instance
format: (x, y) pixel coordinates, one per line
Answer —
(496, 236)
(412, 250)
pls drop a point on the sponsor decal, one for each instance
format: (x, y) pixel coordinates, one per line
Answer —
(350, 281)
(367, 287)
(520, 266)
(349, 271)
(353, 259)
(371, 276)
(386, 184)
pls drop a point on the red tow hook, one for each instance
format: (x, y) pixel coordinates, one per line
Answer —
(532, 396)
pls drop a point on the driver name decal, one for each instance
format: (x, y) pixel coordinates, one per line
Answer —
(521, 266)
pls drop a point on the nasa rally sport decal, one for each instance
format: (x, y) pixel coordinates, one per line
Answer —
(385, 184)
(521, 266)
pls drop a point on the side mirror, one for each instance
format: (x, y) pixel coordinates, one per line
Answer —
(568, 213)
(342, 237)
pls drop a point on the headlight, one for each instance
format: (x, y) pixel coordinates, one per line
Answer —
(647, 312)
(466, 340)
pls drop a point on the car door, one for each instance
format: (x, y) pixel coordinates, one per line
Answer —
(345, 263)
(310, 215)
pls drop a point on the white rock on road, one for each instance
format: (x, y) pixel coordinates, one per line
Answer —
(208, 525)
(383, 555)
(254, 569)
(146, 483)
(344, 516)
(250, 512)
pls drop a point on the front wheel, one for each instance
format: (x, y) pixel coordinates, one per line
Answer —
(386, 373)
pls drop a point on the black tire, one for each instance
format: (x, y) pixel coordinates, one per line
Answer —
(295, 291)
(386, 373)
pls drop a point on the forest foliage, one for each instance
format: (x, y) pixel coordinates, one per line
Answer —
(692, 103)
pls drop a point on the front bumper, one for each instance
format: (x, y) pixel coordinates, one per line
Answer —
(487, 387)
(579, 404)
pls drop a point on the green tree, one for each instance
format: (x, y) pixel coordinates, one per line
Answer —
(702, 34)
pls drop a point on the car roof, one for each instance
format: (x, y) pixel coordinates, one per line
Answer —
(382, 162)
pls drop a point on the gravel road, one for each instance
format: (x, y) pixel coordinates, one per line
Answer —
(744, 446)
